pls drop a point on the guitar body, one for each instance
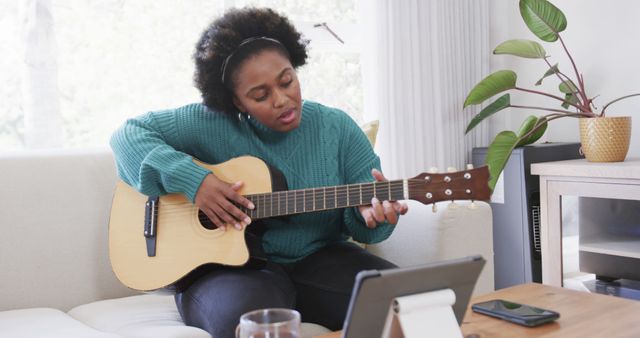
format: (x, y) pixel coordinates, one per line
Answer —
(183, 242)
(156, 242)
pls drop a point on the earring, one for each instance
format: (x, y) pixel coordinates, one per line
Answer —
(242, 116)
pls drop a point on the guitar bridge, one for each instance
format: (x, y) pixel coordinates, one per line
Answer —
(151, 224)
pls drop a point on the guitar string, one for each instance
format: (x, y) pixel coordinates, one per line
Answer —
(345, 190)
(256, 215)
(190, 209)
(293, 194)
(298, 202)
(340, 192)
(341, 196)
(284, 212)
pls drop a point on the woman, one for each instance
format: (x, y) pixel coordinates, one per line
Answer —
(246, 71)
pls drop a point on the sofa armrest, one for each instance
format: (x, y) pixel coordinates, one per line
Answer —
(54, 223)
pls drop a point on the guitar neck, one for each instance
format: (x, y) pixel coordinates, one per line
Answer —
(289, 202)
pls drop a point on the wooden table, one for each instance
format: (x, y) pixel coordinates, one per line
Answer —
(581, 315)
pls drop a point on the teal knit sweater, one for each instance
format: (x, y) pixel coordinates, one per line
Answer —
(154, 155)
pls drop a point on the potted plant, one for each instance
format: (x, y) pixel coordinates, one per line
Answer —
(546, 21)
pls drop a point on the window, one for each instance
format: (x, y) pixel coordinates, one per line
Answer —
(119, 58)
(11, 121)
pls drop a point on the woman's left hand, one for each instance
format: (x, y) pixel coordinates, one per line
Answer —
(379, 212)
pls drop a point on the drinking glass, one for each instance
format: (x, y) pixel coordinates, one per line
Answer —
(269, 323)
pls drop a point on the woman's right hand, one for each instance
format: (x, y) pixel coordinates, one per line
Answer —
(216, 199)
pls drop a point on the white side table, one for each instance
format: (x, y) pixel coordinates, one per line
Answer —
(619, 180)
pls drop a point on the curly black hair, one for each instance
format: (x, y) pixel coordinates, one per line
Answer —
(222, 38)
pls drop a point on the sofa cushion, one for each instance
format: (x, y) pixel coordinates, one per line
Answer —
(45, 322)
(148, 315)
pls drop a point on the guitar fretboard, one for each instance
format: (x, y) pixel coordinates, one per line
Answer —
(291, 202)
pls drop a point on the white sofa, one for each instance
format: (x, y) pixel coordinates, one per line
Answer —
(56, 280)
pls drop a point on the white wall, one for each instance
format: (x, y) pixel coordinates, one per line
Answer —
(603, 38)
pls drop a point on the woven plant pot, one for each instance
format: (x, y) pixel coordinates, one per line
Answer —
(605, 139)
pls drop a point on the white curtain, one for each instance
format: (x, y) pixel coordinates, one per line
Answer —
(40, 94)
(420, 59)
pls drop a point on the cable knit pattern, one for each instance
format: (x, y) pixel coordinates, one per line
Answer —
(154, 154)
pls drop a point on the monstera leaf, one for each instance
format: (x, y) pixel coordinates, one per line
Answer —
(503, 102)
(568, 87)
(553, 70)
(528, 125)
(504, 143)
(491, 85)
(522, 48)
(498, 154)
(543, 19)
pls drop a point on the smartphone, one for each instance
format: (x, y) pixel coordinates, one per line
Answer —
(522, 314)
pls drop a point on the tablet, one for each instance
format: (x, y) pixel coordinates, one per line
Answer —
(374, 290)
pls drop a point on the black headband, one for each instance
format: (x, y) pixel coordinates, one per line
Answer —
(244, 42)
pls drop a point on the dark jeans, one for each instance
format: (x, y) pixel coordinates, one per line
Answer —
(319, 287)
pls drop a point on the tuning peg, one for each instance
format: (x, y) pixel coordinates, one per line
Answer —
(452, 205)
(469, 166)
(473, 205)
(451, 169)
(433, 170)
(434, 208)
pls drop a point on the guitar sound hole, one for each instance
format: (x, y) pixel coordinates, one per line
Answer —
(205, 221)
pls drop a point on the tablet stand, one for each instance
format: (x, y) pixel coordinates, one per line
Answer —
(421, 315)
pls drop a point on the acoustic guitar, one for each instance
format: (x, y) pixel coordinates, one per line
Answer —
(156, 241)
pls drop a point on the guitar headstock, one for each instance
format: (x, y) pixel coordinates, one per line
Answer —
(470, 184)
